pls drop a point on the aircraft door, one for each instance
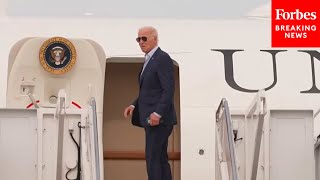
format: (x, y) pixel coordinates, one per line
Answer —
(124, 143)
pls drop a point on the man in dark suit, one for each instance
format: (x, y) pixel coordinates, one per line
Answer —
(153, 109)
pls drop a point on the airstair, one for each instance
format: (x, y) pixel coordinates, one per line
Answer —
(265, 144)
(50, 143)
(317, 148)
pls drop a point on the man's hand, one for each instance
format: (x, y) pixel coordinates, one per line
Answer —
(128, 111)
(154, 120)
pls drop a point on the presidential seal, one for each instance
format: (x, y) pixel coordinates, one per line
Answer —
(57, 55)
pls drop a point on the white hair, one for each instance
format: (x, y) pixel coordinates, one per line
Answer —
(153, 30)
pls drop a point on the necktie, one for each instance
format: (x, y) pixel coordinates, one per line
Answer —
(146, 60)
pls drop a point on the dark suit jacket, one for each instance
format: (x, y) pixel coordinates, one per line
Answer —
(156, 91)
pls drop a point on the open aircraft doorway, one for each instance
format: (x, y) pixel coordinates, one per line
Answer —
(123, 143)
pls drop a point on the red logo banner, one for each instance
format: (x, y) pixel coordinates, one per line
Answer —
(295, 23)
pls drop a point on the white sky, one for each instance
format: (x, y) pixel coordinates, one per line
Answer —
(136, 8)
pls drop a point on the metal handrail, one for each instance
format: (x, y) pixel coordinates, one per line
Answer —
(61, 104)
(95, 137)
(316, 113)
(259, 103)
(33, 101)
(224, 109)
(317, 143)
(259, 106)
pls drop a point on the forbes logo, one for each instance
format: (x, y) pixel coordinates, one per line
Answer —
(297, 15)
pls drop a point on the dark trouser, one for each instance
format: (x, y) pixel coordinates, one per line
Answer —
(158, 167)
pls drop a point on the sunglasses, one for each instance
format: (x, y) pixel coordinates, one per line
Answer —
(143, 38)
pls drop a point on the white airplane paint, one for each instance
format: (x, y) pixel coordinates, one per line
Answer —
(217, 59)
